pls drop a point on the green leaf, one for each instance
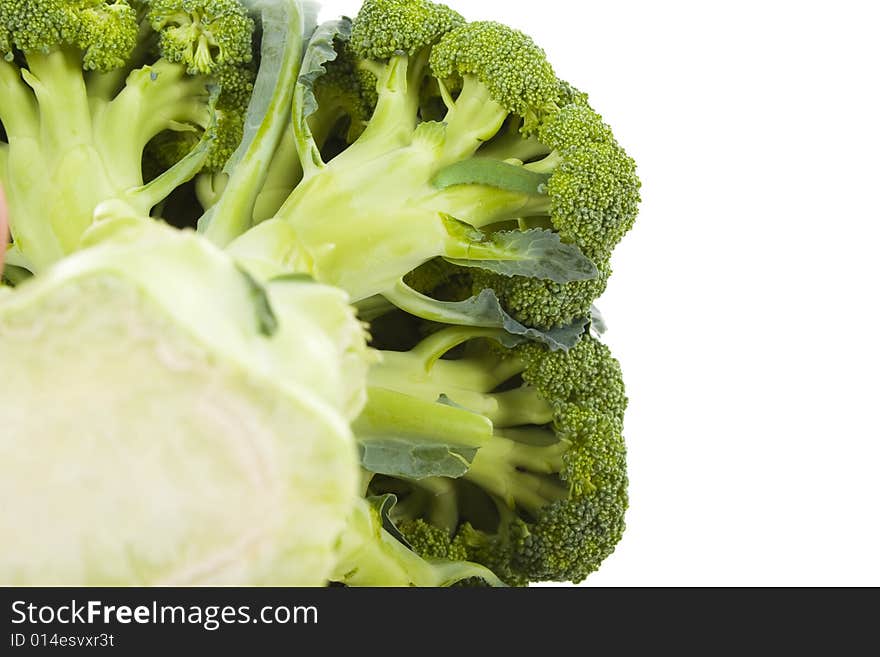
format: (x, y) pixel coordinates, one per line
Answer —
(319, 51)
(534, 253)
(492, 173)
(406, 436)
(383, 504)
(267, 322)
(597, 322)
(266, 120)
(275, 22)
(400, 456)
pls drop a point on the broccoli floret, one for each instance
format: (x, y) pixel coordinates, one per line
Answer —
(594, 193)
(85, 85)
(432, 542)
(553, 464)
(369, 555)
(204, 35)
(466, 147)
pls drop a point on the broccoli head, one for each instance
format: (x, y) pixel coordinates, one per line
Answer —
(86, 85)
(545, 493)
(421, 136)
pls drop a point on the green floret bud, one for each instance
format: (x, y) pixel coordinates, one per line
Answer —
(507, 62)
(236, 84)
(576, 123)
(386, 27)
(594, 197)
(441, 279)
(496, 551)
(105, 31)
(544, 304)
(431, 542)
(586, 375)
(598, 453)
(202, 34)
(573, 537)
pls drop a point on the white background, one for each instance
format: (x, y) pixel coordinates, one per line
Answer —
(744, 304)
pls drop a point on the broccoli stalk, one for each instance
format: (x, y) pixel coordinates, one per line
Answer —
(550, 459)
(80, 99)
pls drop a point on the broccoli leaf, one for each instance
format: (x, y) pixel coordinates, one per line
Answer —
(383, 504)
(265, 122)
(267, 322)
(400, 456)
(535, 253)
(275, 20)
(319, 52)
(597, 322)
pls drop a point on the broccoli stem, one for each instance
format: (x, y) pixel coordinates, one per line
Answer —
(423, 365)
(370, 556)
(421, 305)
(62, 129)
(512, 145)
(442, 501)
(421, 376)
(18, 108)
(431, 498)
(517, 473)
(155, 98)
(46, 222)
(390, 414)
(547, 164)
(57, 80)
(270, 249)
(373, 307)
(209, 186)
(395, 116)
(473, 120)
(285, 173)
(521, 405)
(481, 205)
(155, 191)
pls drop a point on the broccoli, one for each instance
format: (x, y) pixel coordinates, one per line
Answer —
(86, 85)
(435, 173)
(370, 555)
(421, 136)
(544, 494)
